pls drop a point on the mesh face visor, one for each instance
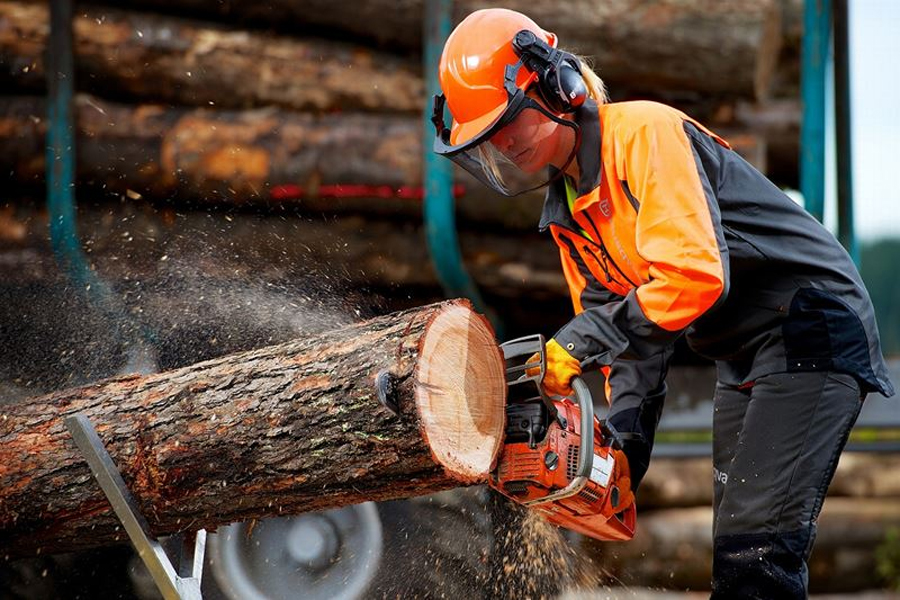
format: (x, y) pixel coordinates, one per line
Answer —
(512, 154)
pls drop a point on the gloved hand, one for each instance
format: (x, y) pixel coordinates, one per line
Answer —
(561, 368)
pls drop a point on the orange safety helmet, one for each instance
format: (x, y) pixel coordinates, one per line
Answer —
(472, 65)
(491, 59)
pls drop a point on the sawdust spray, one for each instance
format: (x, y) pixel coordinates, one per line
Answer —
(530, 558)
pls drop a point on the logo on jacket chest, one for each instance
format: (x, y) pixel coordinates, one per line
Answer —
(605, 207)
(604, 204)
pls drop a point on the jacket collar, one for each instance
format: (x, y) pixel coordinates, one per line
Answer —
(556, 209)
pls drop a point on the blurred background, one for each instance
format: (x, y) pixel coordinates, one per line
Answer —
(226, 175)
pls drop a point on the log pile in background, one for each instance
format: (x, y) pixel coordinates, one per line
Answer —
(673, 544)
(128, 242)
(704, 58)
(728, 47)
(275, 431)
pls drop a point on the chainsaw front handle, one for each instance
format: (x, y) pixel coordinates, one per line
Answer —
(586, 404)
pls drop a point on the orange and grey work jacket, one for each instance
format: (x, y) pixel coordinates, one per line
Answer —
(672, 232)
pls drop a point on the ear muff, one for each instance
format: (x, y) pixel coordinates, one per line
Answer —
(559, 81)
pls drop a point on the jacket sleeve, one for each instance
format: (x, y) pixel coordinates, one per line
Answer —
(678, 233)
(637, 392)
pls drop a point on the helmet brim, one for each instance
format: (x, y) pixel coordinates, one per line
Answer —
(461, 133)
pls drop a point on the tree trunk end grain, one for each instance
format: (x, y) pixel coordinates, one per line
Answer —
(460, 393)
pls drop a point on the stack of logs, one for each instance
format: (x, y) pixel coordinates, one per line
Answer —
(203, 110)
(673, 544)
(297, 105)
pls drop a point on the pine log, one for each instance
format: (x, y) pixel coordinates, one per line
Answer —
(678, 482)
(147, 57)
(134, 240)
(216, 155)
(685, 482)
(258, 156)
(243, 157)
(778, 121)
(280, 430)
(867, 475)
(726, 47)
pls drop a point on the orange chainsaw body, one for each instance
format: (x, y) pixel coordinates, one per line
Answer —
(540, 459)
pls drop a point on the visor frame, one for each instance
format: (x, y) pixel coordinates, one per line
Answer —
(517, 101)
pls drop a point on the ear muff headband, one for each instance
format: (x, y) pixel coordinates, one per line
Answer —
(559, 83)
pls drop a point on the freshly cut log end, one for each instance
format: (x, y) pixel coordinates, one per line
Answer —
(461, 392)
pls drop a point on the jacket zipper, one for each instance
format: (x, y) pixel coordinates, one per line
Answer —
(602, 263)
(604, 259)
(605, 253)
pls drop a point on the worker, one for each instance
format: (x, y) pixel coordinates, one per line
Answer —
(664, 231)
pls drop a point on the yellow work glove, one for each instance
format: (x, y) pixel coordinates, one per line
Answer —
(561, 368)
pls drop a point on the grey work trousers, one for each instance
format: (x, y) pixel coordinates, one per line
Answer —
(776, 445)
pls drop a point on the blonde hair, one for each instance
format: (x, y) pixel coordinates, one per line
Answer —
(596, 91)
(596, 87)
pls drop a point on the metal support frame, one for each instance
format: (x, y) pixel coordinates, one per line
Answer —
(821, 20)
(813, 75)
(61, 146)
(61, 205)
(843, 128)
(182, 583)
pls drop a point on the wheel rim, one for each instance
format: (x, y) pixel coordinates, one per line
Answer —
(333, 554)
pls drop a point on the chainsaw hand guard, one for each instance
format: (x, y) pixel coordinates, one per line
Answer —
(557, 457)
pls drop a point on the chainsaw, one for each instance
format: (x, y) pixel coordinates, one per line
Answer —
(557, 458)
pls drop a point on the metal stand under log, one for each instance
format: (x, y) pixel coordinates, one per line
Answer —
(174, 584)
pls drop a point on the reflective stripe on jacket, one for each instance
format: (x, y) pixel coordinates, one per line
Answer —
(686, 237)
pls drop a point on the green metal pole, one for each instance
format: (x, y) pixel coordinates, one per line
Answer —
(439, 205)
(814, 63)
(843, 129)
(60, 159)
(61, 146)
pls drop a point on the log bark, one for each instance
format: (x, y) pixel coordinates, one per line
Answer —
(280, 430)
(723, 47)
(147, 57)
(263, 156)
(139, 241)
(258, 156)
